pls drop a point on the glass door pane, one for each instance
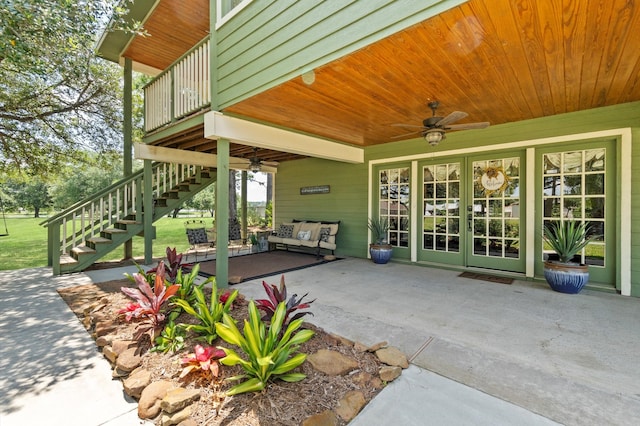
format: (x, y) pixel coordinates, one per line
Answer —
(574, 190)
(394, 197)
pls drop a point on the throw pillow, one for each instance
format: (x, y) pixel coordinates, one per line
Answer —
(324, 234)
(304, 235)
(285, 231)
(197, 236)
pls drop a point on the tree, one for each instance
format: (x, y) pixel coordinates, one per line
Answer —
(31, 194)
(82, 183)
(204, 200)
(57, 99)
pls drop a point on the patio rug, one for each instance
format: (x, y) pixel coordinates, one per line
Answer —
(252, 266)
(487, 277)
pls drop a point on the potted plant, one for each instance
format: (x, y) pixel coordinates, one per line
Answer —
(255, 248)
(380, 250)
(563, 271)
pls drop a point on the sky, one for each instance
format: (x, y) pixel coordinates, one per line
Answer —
(256, 192)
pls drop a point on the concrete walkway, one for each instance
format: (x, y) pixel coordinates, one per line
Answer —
(482, 353)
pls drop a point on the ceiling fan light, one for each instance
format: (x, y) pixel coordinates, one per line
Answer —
(255, 167)
(434, 136)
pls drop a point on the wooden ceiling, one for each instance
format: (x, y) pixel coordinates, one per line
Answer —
(498, 60)
(173, 28)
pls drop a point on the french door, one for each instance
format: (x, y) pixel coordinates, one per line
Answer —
(471, 213)
(495, 219)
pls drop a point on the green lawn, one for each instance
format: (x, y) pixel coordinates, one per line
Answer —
(26, 244)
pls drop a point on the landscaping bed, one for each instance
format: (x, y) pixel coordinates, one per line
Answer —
(341, 376)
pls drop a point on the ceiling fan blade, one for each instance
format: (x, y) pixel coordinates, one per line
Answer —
(468, 126)
(271, 163)
(454, 116)
(409, 134)
(411, 126)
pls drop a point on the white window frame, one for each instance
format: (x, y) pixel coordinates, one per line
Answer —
(220, 19)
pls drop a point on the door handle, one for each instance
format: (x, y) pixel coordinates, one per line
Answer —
(469, 219)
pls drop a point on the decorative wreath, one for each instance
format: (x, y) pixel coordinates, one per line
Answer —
(493, 179)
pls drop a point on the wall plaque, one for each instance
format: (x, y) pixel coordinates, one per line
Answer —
(318, 189)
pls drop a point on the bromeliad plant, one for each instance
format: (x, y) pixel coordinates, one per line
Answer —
(277, 296)
(207, 313)
(203, 360)
(271, 355)
(171, 338)
(151, 302)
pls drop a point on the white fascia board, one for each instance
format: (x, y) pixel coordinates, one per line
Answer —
(237, 130)
(181, 156)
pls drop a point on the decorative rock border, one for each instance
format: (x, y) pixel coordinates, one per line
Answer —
(169, 404)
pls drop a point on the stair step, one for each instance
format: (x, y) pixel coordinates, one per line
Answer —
(122, 224)
(80, 250)
(65, 259)
(114, 231)
(128, 221)
(99, 240)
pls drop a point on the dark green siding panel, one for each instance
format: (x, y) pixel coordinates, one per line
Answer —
(346, 202)
(269, 42)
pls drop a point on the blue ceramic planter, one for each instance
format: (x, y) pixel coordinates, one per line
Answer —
(566, 278)
(380, 254)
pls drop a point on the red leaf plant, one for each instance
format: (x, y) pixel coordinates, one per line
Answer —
(204, 360)
(174, 260)
(132, 310)
(268, 306)
(150, 302)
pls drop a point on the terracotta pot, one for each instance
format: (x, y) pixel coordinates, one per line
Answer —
(566, 277)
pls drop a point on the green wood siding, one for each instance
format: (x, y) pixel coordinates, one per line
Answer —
(346, 201)
(270, 42)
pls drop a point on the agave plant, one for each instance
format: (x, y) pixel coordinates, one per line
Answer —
(276, 296)
(379, 227)
(271, 354)
(566, 238)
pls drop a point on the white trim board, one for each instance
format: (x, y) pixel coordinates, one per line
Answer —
(182, 156)
(237, 130)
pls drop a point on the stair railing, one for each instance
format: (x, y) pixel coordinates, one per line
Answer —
(120, 201)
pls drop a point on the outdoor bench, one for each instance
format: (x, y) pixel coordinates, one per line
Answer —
(305, 235)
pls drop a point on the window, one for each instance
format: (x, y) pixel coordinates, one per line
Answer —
(227, 9)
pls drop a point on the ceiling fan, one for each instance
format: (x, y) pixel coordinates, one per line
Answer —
(255, 163)
(433, 129)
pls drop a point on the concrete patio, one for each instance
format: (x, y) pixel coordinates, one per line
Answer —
(482, 352)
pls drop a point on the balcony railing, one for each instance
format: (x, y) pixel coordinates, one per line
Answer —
(180, 90)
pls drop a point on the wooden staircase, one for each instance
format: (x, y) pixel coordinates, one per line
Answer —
(91, 228)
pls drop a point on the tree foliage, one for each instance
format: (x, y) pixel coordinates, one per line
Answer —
(32, 194)
(82, 183)
(57, 99)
